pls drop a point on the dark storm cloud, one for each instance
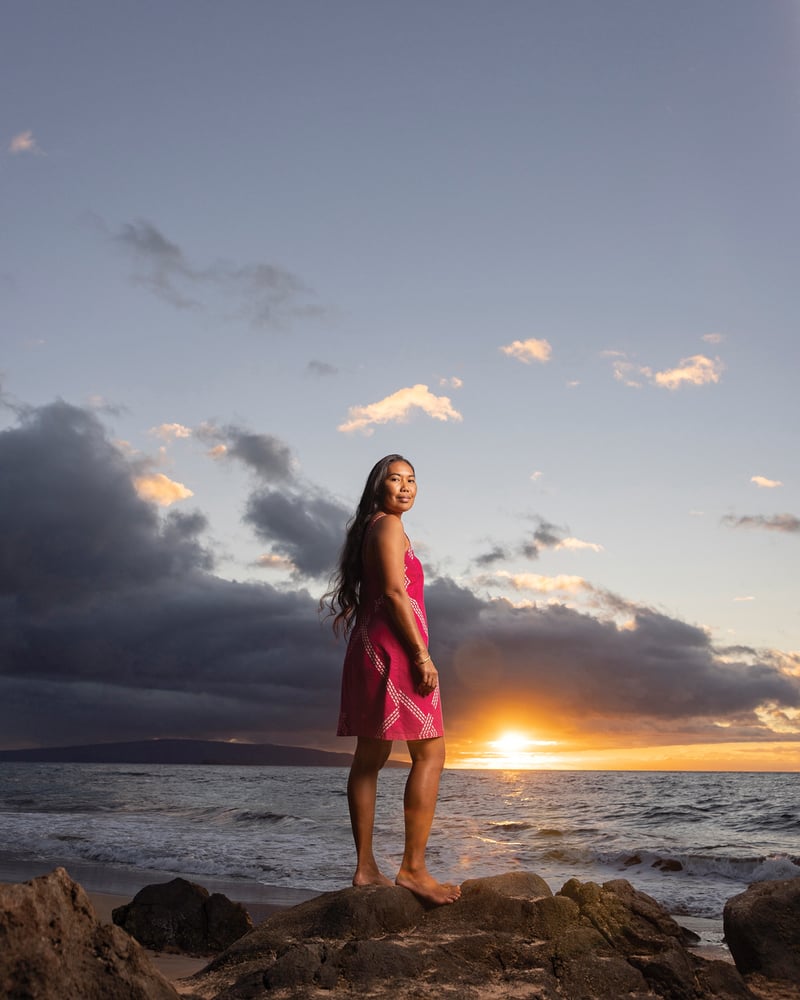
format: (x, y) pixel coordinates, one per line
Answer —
(114, 626)
(496, 554)
(267, 456)
(305, 527)
(294, 518)
(546, 536)
(73, 525)
(111, 623)
(571, 667)
(265, 294)
(786, 523)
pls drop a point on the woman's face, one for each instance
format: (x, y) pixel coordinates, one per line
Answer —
(399, 488)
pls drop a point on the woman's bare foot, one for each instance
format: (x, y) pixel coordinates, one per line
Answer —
(370, 875)
(426, 888)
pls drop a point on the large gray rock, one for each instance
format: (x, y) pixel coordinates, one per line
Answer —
(507, 937)
(52, 947)
(182, 916)
(762, 929)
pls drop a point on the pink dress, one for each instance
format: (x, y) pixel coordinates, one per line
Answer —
(379, 681)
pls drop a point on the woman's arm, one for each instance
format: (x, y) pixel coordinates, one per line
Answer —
(388, 549)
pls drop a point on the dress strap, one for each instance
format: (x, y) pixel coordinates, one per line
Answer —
(375, 518)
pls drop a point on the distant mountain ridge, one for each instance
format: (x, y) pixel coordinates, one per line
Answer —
(182, 752)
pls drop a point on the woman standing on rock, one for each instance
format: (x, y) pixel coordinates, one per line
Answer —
(390, 686)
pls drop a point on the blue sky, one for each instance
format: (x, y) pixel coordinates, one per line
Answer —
(239, 239)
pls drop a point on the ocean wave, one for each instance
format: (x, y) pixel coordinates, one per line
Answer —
(746, 869)
(510, 825)
(263, 817)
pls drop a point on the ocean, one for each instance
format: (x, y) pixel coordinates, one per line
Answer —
(690, 840)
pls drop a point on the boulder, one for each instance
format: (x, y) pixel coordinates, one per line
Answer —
(508, 936)
(182, 916)
(52, 947)
(762, 929)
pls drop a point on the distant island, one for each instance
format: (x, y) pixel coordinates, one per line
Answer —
(184, 752)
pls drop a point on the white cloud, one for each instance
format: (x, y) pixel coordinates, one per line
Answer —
(765, 484)
(169, 432)
(398, 408)
(574, 544)
(713, 338)
(739, 600)
(546, 584)
(535, 476)
(696, 370)
(24, 142)
(454, 382)
(161, 489)
(529, 350)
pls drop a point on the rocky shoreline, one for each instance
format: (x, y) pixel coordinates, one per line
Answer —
(509, 936)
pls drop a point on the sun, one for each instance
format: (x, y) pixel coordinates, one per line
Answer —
(511, 743)
(513, 750)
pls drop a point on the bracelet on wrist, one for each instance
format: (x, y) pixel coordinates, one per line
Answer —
(423, 660)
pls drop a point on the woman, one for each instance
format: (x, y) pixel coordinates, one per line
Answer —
(390, 686)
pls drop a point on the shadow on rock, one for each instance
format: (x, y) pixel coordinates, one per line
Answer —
(508, 936)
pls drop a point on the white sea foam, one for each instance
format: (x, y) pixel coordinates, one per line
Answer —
(289, 827)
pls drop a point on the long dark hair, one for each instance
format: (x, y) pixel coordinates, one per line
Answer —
(342, 599)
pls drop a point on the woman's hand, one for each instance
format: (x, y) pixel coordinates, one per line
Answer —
(429, 677)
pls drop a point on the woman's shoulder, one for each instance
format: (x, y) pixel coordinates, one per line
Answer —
(387, 528)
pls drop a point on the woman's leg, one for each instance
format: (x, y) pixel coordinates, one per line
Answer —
(362, 790)
(422, 789)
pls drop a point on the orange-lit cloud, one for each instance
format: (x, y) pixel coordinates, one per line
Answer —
(713, 338)
(24, 142)
(695, 370)
(398, 408)
(546, 584)
(169, 432)
(272, 561)
(160, 489)
(529, 350)
(766, 484)
(780, 719)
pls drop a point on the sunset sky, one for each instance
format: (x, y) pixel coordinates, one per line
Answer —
(546, 249)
